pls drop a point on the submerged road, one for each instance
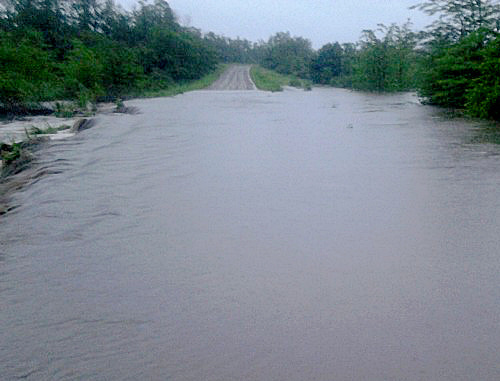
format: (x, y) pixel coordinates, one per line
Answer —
(250, 235)
(236, 77)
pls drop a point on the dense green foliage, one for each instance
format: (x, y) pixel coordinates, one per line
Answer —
(27, 70)
(462, 57)
(91, 49)
(231, 51)
(386, 63)
(483, 97)
(287, 55)
(328, 63)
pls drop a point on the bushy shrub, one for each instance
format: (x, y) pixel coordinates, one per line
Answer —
(483, 96)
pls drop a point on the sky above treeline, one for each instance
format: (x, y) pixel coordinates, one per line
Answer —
(321, 21)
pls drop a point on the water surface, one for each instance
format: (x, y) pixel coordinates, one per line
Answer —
(324, 235)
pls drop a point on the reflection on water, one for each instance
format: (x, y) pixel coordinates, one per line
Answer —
(257, 236)
(487, 134)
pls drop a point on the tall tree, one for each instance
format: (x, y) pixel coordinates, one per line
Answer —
(287, 54)
(483, 97)
(461, 56)
(150, 16)
(385, 63)
(87, 15)
(327, 64)
(458, 18)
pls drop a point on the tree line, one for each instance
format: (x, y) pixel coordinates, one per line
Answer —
(93, 49)
(454, 63)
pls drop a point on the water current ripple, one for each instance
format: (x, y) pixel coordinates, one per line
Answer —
(248, 235)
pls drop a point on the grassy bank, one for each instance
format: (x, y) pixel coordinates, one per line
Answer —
(269, 80)
(180, 88)
(71, 108)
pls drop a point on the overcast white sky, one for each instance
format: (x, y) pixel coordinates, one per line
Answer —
(321, 21)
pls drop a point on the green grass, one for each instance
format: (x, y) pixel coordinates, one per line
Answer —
(180, 88)
(49, 130)
(10, 153)
(269, 80)
(16, 156)
(65, 110)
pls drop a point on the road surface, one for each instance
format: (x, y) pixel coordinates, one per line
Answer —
(236, 77)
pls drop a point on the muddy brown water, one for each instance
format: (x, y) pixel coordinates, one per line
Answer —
(324, 235)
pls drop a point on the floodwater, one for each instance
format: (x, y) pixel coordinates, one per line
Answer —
(324, 235)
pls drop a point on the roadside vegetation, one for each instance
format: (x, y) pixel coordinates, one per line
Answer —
(92, 50)
(184, 87)
(46, 131)
(270, 80)
(460, 66)
(454, 63)
(10, 153)
(17, 156)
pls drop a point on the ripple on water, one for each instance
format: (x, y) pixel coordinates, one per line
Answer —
(253, 236)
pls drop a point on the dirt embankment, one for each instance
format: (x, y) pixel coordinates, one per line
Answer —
(236, 77)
